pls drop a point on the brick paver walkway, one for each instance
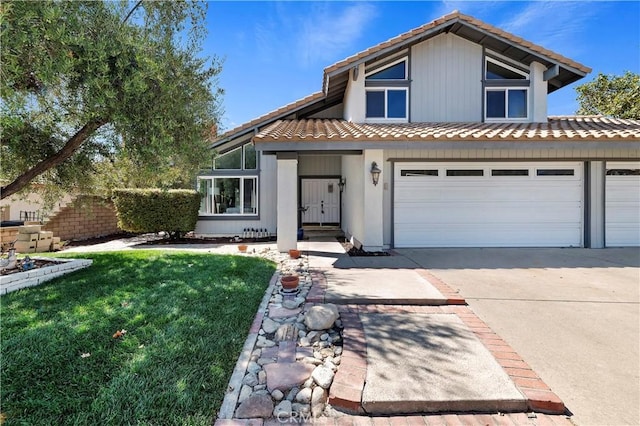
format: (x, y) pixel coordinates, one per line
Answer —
(348, 384)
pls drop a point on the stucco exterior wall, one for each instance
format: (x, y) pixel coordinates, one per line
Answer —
(353, 197)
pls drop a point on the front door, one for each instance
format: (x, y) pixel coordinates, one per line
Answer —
(320, 203)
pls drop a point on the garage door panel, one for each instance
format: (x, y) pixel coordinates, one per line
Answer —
(488, 211)
(481, 212)
(502, 236)
(622, 204)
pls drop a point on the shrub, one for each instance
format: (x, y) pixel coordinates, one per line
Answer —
(154, 210)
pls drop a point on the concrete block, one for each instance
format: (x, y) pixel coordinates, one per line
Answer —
(29, 229)
(45, 235)
(25, 246)
(27, 237)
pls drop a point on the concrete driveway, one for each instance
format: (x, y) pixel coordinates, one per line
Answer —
(572, 314)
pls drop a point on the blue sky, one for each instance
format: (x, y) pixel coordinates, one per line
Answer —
(274, 52)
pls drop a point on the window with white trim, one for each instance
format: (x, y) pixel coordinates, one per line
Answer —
(387, 93)
(231, 187)
(506, 92)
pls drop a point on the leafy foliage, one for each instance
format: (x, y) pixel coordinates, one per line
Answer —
(153, 210)
(611, 95)
(87, 83)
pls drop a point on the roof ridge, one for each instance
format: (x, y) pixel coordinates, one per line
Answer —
(469, 20)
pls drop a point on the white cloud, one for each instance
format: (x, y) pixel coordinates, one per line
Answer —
(311, 33)
(327, 34)
(556, 25)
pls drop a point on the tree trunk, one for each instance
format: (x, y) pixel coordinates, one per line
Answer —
(56, 159)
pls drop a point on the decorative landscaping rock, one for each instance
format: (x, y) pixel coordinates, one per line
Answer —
(264, 342)
(282, 410)
(318, 401)
(292, 303)
(295, 355)
(251, 379)
(245, 392)
(304, 342)
(292, 394)
(286, 332)
(321, 317)
(253, 367)
(311, 360)
(304, 396)
(301, 408)
(323, 376)
(256, 406)
(284, 376)
(269, 325)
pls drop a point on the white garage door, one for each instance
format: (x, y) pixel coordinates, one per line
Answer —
(622, 204)
(488, 204)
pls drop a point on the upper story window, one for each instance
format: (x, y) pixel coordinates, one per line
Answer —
(387, 93)
(506, 92)
(394, 72)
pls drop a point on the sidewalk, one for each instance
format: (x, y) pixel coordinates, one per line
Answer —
(412, 347)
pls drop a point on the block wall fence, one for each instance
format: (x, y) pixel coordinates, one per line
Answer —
(87, 217)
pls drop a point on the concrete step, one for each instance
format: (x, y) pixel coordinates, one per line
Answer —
(428, 363)
(381, 286)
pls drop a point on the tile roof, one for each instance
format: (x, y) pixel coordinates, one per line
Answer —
(565, 128)
(469, 20)
(451, 17)
(285, 110)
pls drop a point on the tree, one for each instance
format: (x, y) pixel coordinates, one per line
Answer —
(614, 96)
(85, 84)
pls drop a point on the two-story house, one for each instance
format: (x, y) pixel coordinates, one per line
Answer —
(438, 137)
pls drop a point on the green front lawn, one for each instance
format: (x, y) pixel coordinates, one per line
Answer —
(186, 317)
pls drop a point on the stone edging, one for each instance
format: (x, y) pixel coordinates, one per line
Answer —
(34, 277)
(235, 383)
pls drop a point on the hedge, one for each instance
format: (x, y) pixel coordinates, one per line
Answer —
(153, 210)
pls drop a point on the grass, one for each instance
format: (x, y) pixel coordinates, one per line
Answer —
(186, 317)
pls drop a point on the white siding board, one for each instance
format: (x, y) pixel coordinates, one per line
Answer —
(319, 165)
(446, 73)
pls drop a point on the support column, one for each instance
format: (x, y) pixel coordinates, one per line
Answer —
(287, 190)
(538, 95)
(594, 203)
(373, 213)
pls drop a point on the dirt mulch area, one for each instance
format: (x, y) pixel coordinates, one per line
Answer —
(38, 263)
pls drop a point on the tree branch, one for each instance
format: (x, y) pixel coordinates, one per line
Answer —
(56, 159)
(131, 11)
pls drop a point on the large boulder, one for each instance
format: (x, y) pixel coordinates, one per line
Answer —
(321, 317)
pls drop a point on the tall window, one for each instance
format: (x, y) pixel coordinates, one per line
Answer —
(506, 92)
(387, 93)
(231, 187)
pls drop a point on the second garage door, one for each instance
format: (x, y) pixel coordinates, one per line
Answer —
(488, 204)
(622, 206)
